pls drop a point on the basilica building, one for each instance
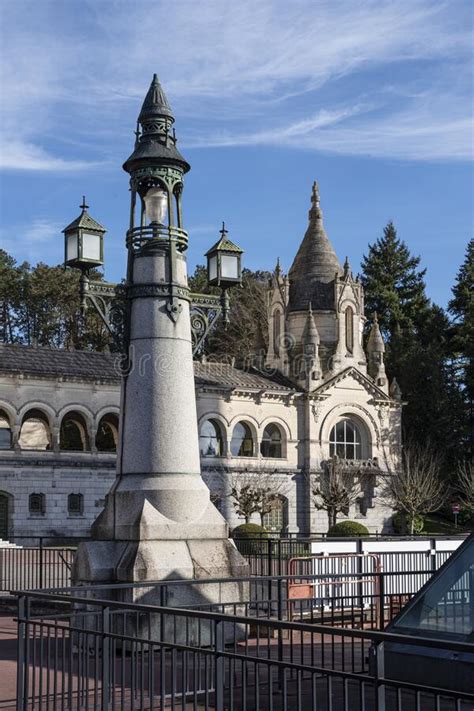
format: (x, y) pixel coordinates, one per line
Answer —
(318, 394)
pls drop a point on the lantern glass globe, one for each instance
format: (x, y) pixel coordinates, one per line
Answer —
(156, 205)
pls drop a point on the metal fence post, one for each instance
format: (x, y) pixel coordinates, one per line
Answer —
(270, 567)
(41, 563)
(220, 662)
(22, 661)
(379, 674)
(105, 658)
(381, 601)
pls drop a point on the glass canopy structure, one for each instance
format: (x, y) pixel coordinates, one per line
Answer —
(442, 609)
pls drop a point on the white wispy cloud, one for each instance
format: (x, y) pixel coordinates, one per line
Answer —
(18, 155)
(36, 241)
(373, 77)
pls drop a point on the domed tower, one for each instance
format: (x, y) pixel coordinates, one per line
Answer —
(316, 281)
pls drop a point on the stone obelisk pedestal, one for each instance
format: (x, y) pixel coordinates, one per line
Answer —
(158, 522)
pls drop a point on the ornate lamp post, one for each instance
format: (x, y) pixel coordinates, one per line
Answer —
(84, 249)
(158, 521)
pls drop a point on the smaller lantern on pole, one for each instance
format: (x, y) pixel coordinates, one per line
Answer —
(84, 241)
(224, 262)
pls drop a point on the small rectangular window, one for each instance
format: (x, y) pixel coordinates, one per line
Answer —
(75, 504)
(37, 504)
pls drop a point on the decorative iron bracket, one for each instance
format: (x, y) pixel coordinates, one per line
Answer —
(205, 310)
(109, 302)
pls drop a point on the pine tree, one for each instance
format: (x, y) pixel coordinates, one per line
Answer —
(394, 286)
(461, 307)
(417, 337)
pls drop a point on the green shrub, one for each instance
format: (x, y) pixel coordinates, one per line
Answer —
(348, 529)
(400, 523)
(250, 538)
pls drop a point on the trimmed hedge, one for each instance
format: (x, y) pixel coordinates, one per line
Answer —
(247, 537)
(348, 528)
(400, 524)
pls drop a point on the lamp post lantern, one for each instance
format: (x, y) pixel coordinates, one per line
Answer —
(158, 521)
(84, 241)
(223, 262)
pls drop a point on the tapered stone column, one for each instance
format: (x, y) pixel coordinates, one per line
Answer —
(159, 522)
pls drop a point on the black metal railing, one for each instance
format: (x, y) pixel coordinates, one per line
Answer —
(271, 555)
(105, 654)
(37, 562)
(45, 562)
(358, 601)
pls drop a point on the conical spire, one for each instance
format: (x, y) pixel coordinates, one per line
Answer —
(315, 265)
(155, 104)
(375, 342)
(156, 141)
(310, 332)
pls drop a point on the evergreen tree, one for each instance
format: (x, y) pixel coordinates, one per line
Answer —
(417, 337)
(394, 286)
(40, 305)
(461, 308)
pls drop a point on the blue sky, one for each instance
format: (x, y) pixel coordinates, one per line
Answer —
(371, 98)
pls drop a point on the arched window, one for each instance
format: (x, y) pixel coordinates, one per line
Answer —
(75, 504)
(35, 432)
(345, 440)
(107, 434)
(5, 431)
(210, 439)
(276, 331)
(349, 329)
(271, 445)
(73, 435)
(277, 518)
(242, 441)
(37, 504)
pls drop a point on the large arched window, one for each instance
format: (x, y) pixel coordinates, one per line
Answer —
(210, 439)
(107, 433)
(242, 441)
(276, 331)
(35, 432)
(349, 329)
(5, 431)
(73, 434)
(277, 518)
(345, 440)
(272, 444)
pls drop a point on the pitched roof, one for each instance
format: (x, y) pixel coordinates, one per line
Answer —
(363, 379)
(315, 265)
(55, 362)
(86, 365)
(86, 222)
(224, 243)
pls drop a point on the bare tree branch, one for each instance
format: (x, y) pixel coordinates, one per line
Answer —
(334, 490)
(417, 488)
(465, 484)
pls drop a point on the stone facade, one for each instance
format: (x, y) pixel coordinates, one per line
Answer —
(318, 395)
